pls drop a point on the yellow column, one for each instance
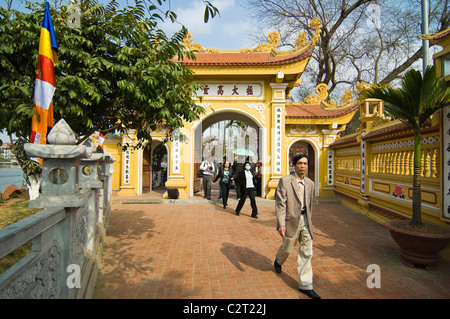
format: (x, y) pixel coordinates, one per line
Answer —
(369, 110)
(326, 164)
(128, 178)
(176, 184)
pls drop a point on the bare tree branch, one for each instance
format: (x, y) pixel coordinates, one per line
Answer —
(350, 49)
(401, 68)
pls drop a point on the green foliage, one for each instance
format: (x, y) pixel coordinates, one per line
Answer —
(117, 71)
(210, 11)
(18, 57)
(417, 98)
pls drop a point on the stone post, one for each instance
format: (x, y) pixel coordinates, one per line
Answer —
(60, 168)
(75, 180)
(370, 110)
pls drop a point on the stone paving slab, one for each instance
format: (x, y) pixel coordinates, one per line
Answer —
(198, 250)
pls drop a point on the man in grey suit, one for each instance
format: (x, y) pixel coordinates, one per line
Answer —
(293, 205)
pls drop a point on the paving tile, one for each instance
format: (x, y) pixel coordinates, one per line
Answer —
(197, 250)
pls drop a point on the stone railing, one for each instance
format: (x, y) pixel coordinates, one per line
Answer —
(348, 160)
(67, 236)
(373, 173)
(397, 158)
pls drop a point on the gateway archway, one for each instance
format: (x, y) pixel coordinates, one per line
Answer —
(249, 86)
(219, 134)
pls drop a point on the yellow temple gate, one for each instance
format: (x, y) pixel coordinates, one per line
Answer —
(370, 170)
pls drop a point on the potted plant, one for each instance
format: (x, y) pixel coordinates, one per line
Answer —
(413, 103)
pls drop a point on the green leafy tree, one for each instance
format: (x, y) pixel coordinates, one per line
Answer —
(413, 103)
(117, 70)
(114, 73)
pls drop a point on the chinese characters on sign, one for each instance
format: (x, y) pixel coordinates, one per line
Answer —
(176, 151)
(126, 166)
(278, 134)
(446, 162)
(234, 90)
(330, 167)
(363, 166)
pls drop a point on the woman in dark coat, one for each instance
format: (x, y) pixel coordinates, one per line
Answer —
(225, 175)
(246, 180)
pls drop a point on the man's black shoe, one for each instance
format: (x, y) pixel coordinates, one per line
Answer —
(310, 293)
(237, 214)
(254, 216)
(277, 266)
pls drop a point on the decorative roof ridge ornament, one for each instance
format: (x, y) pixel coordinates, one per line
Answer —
(433, 36)
(322, 95)
(187, 42)
(300, 43)
(361, 86)
(380, 119)
(273, 39)
(315, 23)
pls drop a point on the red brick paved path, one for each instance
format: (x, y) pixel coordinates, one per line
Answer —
(197, 249)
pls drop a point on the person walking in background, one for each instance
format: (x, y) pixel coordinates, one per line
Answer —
(225, 175)
(246, 180)
(218, 169)
(238, 166)
(293, 207)
(207, 167)
(258, 178)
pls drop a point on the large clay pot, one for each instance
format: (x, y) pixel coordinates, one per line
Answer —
(418, 248)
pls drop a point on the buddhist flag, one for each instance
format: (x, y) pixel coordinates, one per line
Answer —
(45, 82)
(101, 139)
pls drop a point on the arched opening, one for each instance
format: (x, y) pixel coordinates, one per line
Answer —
(159, 168)
(147, 170)
(154, 167)
(303, 147)
(228, 134)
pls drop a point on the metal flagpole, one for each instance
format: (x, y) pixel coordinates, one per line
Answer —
(425, 43)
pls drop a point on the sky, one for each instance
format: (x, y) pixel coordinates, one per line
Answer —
(230, 30)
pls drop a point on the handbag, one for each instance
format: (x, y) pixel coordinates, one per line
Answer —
(200, 173)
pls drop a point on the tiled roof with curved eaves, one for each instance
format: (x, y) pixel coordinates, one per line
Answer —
(386, 132)
(346, 140)
(436, 36)
(247, 59)
(394, 129)
(442, 34)
(317, 111)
